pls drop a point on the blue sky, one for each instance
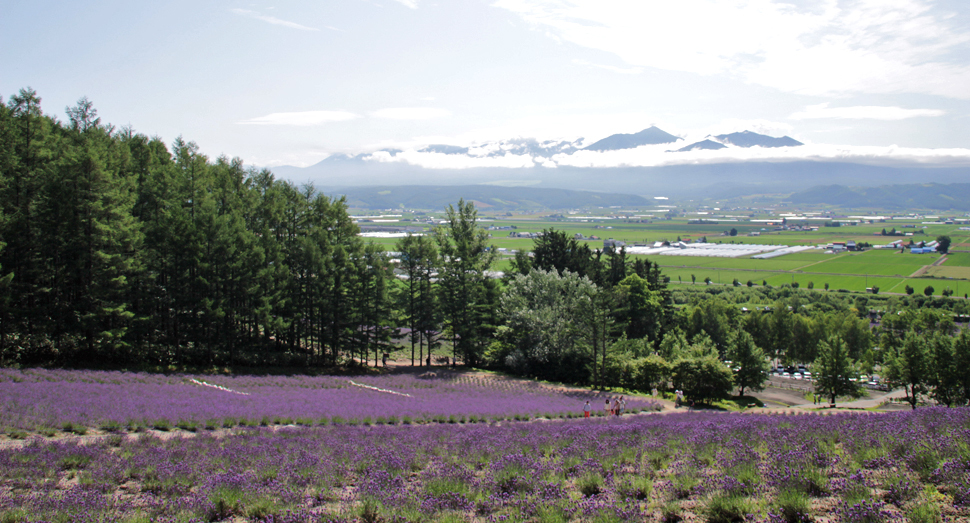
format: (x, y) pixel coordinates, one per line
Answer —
(292, 82)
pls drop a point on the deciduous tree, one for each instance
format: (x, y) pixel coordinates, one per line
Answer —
(834, 371)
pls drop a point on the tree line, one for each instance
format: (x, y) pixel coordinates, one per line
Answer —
(118, 250)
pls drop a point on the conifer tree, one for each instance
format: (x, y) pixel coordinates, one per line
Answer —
(466, 256)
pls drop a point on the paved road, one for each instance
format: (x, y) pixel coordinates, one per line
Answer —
(868, 403)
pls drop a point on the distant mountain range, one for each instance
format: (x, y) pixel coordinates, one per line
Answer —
(491, 197)
(750, 139)
(954, 196)
(683, 171)
(650, 136)
(548, 149)
(709, 145)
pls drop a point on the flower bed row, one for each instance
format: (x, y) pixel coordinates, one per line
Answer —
(854, 468)
(46, 400)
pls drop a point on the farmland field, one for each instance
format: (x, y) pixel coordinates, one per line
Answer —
(36, 399)
(782, 263)
(854, 468)
(957, 259)
(776, 279)
(882, 262)
(962, 273)
(887, 269)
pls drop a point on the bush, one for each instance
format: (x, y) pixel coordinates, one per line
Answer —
(590, 484)
(703, 379)
(671, 513)
(637, 488)
(793, 506)
(924, 512)
(727, 509)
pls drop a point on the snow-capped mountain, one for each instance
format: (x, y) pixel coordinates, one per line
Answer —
(649, 162)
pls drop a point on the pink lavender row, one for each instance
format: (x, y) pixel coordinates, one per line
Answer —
(32, 399)
(607, 469)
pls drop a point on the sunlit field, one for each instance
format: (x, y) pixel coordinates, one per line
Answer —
(51, 401)
(858, 468)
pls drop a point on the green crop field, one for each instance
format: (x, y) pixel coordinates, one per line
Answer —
(889, 270)
(781, 263)
(957, 259)
(949, 272)
(881, 262)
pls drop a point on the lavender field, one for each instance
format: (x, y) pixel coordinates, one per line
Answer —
(857, 468)
(46, 400)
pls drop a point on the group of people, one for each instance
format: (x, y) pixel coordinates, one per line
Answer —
(614, 408)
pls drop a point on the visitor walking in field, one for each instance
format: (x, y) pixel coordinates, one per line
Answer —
(606, 408)
(586, 409)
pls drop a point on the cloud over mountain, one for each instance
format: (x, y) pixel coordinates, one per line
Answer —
(648, 148)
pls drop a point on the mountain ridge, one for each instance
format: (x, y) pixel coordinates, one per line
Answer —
(955, 196)
(494, 197)
(652, 135)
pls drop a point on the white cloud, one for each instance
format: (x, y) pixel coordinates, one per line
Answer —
(453, 161)
(413, 4)
(818, 48)
(621, 70)
(304, 118)
(871, 112)
(273, 20)
(663, 155)
(658, 155)
(411, 113)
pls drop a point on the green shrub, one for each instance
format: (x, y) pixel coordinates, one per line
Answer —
(69, 427)
(369, 511)
(110, 426)
(924, 512)
(793, 506)
(636, 487)
(726, 508)
(226, 502)
(671, 512)
(682, 485)
(590, 484)
(16, 515)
